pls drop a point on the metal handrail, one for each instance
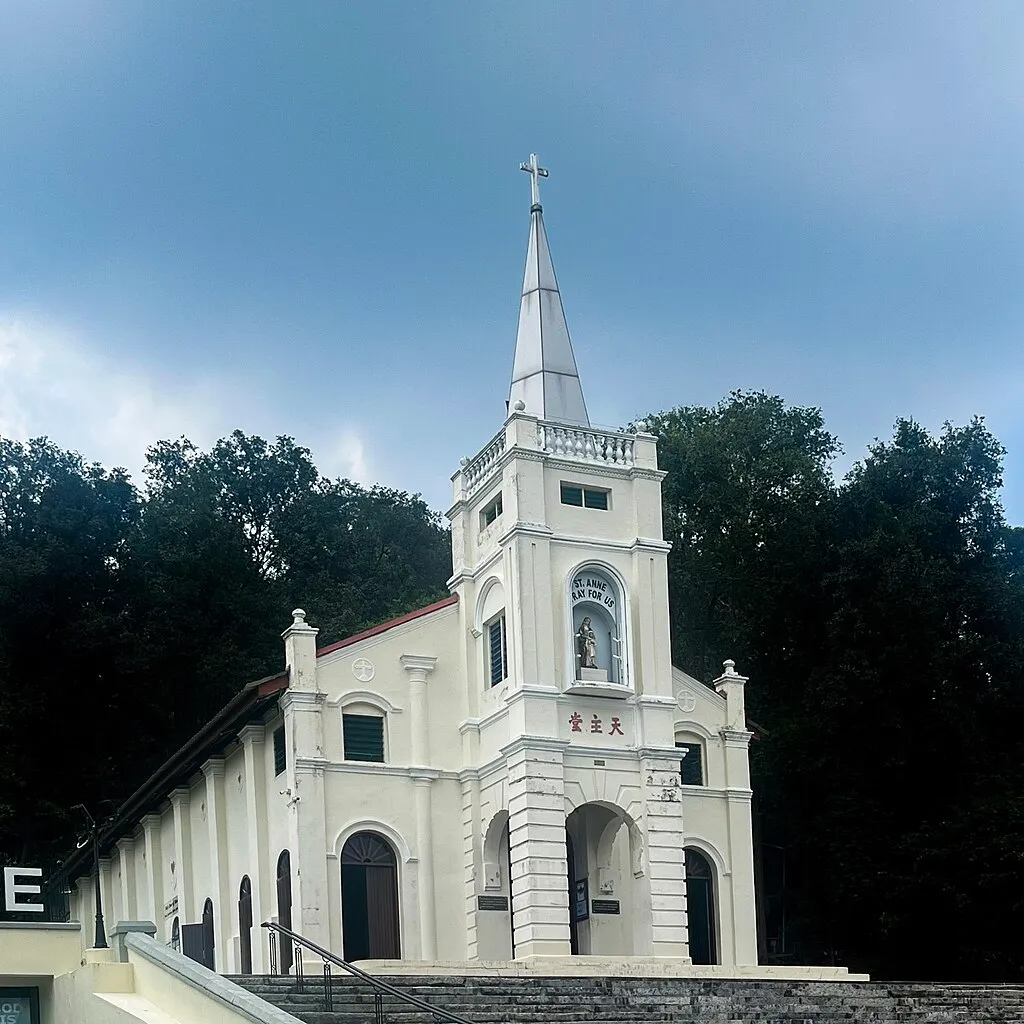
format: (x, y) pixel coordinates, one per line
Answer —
(331, 959)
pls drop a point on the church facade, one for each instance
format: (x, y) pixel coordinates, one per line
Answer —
(515, 771)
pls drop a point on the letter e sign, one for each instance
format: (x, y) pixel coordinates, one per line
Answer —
(12, 890)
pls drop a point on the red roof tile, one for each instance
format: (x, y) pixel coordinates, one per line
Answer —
(385, 626)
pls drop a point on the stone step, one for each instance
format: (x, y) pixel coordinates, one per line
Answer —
(554, 1000)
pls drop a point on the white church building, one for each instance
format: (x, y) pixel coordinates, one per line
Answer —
(517, 771)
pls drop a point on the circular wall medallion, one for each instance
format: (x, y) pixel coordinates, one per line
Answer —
(687, 701)
(362, 669)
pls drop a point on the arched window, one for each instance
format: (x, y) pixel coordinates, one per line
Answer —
(692, 763)
(700, 907)
(284, 908)
(493, 629)
(208, 936)
(176, 935)
(245, 925)
(369, 898)
(363, 732)
(598, 620)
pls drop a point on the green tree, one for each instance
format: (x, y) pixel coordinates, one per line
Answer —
(745, 502)
(126, 619)
(63, 533)
(913, 725)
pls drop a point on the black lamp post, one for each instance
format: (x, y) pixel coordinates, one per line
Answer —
(93, 834)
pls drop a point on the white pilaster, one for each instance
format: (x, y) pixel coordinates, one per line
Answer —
(154, 881)
(180, 801)
(252, 738)
(307, 814)
(126, 871)
(538, 868)
(213, 772)
(300, 652)
(472, 857)
(425, 869)
(418, 668)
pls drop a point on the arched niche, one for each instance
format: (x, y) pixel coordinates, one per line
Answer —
(598, 644)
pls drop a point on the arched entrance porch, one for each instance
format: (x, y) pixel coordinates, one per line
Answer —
(607, 905)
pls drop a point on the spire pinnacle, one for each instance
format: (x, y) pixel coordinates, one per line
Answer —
(544, 376)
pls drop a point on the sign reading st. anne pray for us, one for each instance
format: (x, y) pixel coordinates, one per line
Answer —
(593, 588)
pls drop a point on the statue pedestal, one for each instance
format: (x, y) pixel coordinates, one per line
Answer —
(592, 675)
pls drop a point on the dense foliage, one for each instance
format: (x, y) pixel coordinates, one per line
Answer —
(881, 620)
(127, 617)
(882, 624)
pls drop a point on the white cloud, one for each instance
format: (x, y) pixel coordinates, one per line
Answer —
(344, 455)
(57, 383)
(53, 383)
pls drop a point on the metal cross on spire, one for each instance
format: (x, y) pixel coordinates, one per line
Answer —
(536, 172)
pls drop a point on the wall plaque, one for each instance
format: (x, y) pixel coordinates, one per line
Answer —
(605, 906)
(492, 903)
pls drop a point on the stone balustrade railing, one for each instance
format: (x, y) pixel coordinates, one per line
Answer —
(474, 472)
(585, 444)
(588, 445)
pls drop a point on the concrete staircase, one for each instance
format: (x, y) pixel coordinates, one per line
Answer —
(550, 1000)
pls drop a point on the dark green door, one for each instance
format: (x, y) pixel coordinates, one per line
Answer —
(369, 899)
(700, 907)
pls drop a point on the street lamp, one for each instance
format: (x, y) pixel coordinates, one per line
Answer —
(92, 833)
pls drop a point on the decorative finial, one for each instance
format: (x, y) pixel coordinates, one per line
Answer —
(464, 461)
(730, 667)
(536, 172)
(641, 426)
(298, 617)
(519, 405)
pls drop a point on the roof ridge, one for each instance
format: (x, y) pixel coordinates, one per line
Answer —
(390, 624)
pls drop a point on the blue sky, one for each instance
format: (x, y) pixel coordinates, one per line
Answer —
(308, 219)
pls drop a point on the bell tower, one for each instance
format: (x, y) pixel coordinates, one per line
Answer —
(558, 553)
(561, 570)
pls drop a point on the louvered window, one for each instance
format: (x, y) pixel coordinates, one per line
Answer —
(497, 651)
(691, 768)
(364, 737)
(280, 754)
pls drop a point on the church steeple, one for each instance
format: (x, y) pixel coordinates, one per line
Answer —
(544, 375)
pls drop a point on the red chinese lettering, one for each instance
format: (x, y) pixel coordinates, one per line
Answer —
(576, 721)
(595, 724)
(616, 728)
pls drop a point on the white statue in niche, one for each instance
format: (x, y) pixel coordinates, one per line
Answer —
(586, 644)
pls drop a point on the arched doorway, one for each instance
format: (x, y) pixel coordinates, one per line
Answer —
(603, 853)
(700, 907)
(245, 926)
(495, 929)
(208, 935)
(369, 899)
(284, 907)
